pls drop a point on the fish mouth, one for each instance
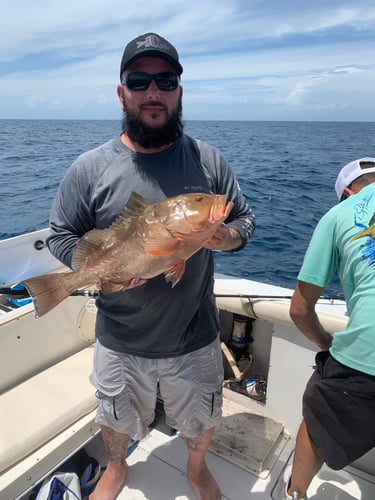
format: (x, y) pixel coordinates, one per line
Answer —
(219, 211)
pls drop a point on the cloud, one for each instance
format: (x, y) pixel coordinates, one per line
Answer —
(245, 59)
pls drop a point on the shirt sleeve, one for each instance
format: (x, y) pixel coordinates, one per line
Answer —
(321, 259)
(224, 181)
(71, 215)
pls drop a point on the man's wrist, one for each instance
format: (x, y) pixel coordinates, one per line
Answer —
(234, 241)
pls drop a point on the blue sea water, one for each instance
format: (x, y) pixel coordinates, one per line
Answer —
(286, 170)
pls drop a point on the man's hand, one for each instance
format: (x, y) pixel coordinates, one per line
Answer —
(226, 238)
(134, 282)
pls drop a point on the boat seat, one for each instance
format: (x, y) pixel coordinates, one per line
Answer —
(37, 410)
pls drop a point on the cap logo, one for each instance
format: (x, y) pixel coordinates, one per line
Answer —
(152, 41)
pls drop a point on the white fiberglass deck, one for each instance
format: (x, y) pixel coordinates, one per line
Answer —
(157, 472)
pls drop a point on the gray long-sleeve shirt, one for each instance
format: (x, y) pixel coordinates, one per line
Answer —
(152, 320)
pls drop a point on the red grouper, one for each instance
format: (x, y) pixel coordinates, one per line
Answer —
(144, 241)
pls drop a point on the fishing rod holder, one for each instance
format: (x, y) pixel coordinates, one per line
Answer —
(39, 245)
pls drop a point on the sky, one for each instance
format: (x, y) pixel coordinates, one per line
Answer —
(242, 59)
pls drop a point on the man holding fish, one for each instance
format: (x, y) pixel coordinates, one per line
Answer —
(157, 321)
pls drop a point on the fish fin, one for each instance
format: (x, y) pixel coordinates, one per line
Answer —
(198, 237)
(160, 247)
(99, 239)
(91, 242)
(110, 287)
(135, 206)
(136, 203)
(175, 273)
(47, 291)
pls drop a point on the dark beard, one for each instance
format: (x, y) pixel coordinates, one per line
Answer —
(153, 137)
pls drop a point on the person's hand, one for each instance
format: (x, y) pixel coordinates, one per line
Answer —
(324, 346)
(225, 238)
(134, 282)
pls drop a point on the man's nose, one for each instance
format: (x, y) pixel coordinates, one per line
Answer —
(153, 90)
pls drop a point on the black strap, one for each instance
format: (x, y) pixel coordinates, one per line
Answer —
(19, 294)
(22, 294)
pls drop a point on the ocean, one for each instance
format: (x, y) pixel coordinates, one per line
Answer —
(286, 171)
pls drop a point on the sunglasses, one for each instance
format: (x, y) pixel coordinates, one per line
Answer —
(141, 81)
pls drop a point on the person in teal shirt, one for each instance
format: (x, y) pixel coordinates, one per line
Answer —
(339, 399)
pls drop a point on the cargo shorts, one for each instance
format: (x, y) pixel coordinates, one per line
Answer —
(190, 386)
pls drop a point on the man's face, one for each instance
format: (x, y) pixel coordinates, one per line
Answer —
(152, 107)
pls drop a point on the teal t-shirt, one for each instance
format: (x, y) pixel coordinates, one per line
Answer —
(332, 248)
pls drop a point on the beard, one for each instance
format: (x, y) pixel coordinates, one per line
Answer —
(152, 137)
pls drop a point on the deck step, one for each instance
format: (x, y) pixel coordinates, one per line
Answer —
(248, 439)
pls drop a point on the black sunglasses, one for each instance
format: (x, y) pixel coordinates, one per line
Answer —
(141, 81)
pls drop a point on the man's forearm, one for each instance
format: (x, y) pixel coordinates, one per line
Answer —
(311, 327)
(233, 241)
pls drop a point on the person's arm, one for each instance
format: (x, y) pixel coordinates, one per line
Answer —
(71, 214)
(240, 224)
(303, 313)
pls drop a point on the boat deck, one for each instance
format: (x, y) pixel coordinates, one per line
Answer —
(249, 451)
(157, 472)
(245, 465)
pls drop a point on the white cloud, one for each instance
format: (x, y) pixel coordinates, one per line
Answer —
(242, 59)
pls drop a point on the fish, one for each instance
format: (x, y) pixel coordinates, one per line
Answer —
(146, 240)
(370, 231)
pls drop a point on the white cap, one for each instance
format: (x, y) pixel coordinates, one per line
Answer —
(351, 172)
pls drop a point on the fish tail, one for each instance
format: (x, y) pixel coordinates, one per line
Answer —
(47, 291)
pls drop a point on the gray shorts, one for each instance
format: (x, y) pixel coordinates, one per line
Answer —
(190, 386)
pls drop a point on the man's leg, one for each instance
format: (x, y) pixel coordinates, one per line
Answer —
(306, 463)
(114, 475)
(202, 481)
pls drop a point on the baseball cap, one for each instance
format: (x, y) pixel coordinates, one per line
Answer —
(150, 44)
(351, 172)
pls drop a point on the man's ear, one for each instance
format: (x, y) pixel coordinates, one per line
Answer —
(350, 191)
(120, 94)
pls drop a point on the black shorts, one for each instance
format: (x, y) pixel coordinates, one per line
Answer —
(339, 411)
